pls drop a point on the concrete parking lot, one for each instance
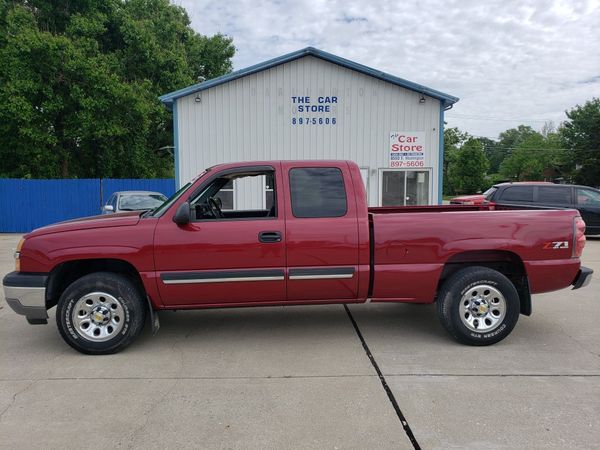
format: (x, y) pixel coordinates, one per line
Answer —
(300, 377)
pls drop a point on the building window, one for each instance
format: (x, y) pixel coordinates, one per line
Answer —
(404, 187)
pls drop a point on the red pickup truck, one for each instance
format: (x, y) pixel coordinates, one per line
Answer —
(311, 239)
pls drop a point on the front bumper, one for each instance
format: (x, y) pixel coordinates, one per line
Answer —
(25, 293)
(583, 278)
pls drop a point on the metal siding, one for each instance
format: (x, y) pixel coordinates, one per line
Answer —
(249, 119)
(176, 142)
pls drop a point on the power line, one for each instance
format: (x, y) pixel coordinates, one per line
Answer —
(474, 117)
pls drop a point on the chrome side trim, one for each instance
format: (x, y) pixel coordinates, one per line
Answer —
(321, 273)
(222, 280)
(321, 277)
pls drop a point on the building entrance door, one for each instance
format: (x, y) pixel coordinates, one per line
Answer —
(404, 187)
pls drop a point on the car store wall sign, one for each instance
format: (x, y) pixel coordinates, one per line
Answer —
(319, 110)
(407, 149)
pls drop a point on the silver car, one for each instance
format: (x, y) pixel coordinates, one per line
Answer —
(132, 201)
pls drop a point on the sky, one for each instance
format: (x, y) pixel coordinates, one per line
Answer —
(510, 62)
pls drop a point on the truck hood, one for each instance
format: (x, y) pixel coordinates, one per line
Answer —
(104, 221)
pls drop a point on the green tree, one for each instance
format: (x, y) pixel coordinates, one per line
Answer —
(490, 150)
(467, 170)
(453, 140)
(535, 158)
(79, 83)
(581, 135)
(508, 141)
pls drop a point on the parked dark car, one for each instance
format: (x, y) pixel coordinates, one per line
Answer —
(583, 198)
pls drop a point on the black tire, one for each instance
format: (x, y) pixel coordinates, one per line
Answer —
(130, 310)
(457, 296)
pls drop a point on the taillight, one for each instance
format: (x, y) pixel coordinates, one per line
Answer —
(578, 236)
(491, 205)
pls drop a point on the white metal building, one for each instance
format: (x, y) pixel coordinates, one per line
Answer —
(314, 105)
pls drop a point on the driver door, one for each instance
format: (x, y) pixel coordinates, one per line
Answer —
(233, 250)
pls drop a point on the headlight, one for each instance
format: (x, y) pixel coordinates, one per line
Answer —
(18, 255)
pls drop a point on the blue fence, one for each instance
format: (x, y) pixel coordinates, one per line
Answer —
(29, 204)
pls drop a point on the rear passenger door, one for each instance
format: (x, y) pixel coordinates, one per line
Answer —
(321, 231)
(588, 204)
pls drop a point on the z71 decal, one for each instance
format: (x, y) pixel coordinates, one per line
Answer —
(556, 245)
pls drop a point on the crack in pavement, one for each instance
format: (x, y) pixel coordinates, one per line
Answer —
(132, 436)
(289, 377)
(14, 397)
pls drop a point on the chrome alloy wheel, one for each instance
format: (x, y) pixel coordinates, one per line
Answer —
(482, 308)
(98, 316)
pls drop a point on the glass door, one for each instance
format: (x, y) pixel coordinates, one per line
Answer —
(404, 187)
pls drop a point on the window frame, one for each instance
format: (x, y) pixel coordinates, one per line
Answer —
(316, 168)
(383, 170)
(246, 169)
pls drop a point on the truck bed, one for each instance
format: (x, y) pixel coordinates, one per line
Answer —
(410, 251)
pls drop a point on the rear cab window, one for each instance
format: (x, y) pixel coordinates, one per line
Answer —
(317, 192)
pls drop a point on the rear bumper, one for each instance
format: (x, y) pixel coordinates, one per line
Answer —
(583, 278)
(25, 293)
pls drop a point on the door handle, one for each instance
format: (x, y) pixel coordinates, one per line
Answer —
(269, 236)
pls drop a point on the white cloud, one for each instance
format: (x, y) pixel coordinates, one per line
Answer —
(505, 59)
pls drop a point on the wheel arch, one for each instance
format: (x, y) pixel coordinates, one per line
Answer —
(65, 273)
(506, 262)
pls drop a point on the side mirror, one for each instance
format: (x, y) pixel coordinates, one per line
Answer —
(108, 208)
(182, 215)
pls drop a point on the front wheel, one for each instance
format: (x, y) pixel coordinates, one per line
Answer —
(100, 313)
(478, 306)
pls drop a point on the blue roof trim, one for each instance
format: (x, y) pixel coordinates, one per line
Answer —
(168, 99)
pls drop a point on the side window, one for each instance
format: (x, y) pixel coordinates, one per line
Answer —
(518, 194)
(317, 192)
(554, 194)
(113, 202)
(587, 197)
(225, 194)
(237, 196)
(269, 191)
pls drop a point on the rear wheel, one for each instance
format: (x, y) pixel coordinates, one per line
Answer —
(101, 313)
(478, 306)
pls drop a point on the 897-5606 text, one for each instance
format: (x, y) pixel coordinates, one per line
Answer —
(313, 121)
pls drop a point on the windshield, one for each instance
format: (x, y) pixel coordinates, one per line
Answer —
(138, 202)
(162, 208)
(488, 194)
